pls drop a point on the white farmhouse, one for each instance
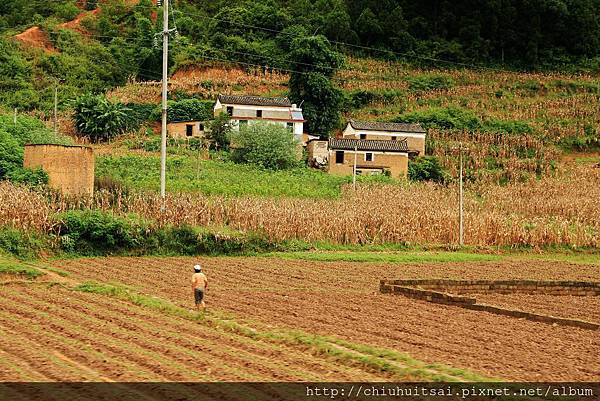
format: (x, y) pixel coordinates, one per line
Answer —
(249, 109)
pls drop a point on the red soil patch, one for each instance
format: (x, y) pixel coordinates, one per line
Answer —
(36, 38)
(342, 299)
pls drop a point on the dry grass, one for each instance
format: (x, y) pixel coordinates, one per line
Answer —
(548, 212)
(205, 82)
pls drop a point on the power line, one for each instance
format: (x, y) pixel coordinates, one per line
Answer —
(474, 66)
(431, 59)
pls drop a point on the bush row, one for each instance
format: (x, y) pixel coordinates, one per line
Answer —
(462, 119)
(92, 233)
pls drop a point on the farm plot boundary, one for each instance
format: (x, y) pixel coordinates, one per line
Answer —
(436, 291)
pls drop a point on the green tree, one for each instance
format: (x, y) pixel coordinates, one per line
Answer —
(270, 146)
(98, 118)
(219, 132)
(311, 85)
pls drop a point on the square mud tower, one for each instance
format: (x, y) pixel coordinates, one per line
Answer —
(70, 168)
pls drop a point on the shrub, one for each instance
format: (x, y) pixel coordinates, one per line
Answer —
(19, 243)
(138, 114)
(100, 119)
(423, 83)
(67, 11)
(444, 118)
(12, 139)
(361, 98)
(427, 168)
(96, 232)
(267, 145)
(35, 177)
(509, 126)
(219, 132)
(189, 109)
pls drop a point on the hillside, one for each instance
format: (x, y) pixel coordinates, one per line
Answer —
(527, 128)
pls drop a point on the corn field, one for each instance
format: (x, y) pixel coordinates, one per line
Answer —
(552, 211)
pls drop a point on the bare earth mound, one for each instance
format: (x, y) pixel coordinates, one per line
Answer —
(342, 299)
(35, 37)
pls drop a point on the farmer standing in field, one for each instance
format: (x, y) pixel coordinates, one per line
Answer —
(199, 286)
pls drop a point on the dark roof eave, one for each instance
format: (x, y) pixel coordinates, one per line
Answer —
(390, 127)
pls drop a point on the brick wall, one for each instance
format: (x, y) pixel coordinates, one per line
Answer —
(573, 288)
(435, 291)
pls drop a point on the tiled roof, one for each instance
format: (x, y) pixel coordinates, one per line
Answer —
(255, 100)
(393, 127)
(368, 145)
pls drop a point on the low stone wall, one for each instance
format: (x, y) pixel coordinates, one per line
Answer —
(573, 288)
(426, 290)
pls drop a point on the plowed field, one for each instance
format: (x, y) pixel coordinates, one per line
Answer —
(584, 308)
(342, 299)
(56, 334)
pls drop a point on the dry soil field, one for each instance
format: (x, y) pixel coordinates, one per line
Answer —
(342, 300)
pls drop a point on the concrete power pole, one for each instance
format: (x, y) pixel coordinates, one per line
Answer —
(165, 66)
(354, 168)
(461, 240)
(56, 109)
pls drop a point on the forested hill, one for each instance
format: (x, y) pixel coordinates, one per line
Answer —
(115, 40)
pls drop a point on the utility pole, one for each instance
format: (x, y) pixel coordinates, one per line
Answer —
(354, 168)
(460, 211)
(56, 109)
(163, 139)
(15, 117)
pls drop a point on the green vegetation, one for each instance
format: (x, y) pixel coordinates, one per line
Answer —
(427, 168)
(455, 118)
(92, 233)
(24, 245)
(190, 109)
(99, 119)
(311, 83)
(13, 137)
(220, 132)
(424, 83)
(214, 177)
(387, 257)
(265, 145)
(10, 266)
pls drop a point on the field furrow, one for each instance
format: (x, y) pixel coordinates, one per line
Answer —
(98, 338)
(342, 299)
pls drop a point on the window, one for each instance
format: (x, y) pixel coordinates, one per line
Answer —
(189, 129)
(339, 157)
(259, 113)
(368, 157)
(394, 138)
(201, 127)
(243, 123)
(290, 127)
(363, 136)
(230, 110)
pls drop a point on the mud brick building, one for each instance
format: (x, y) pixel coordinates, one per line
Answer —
(371, 156)
(413, 134)
(70, 168)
